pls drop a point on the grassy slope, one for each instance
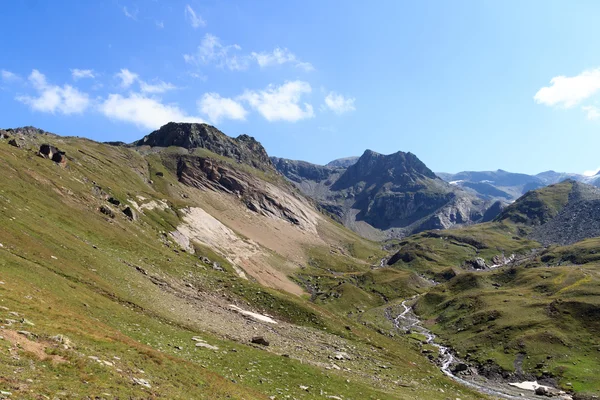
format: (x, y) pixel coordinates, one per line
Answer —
(70, 270)
(538, 206)
(546, 308)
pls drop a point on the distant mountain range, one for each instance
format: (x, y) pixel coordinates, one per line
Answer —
(508, 186)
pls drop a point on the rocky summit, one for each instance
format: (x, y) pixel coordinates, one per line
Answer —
(244, 148)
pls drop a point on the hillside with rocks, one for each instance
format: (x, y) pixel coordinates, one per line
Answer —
(186, 266)
(563, 213)
(205, 268)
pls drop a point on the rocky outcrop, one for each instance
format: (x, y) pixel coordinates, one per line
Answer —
(259, 196)
(27, 131)
(243, 149)
(52, 153)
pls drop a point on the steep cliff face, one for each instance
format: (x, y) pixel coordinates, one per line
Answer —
(382, 196)
(258, 196)
(244, 149)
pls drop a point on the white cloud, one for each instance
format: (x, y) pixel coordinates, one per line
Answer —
(591, 172)
(592, 112)
(218, 108)
(280, 56)
(281, 102)
(143, 111)
(158, 87)
(132, 15)
(195, 20)
(127, 77)
(160, 24)
(8, 76)
(52, 98)
(82, 73)
(339, 104)
(569, 91)
(211, 50)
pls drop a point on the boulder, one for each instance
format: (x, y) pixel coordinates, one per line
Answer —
(13, 142)
(541, 391)
(114, 201)
(477, 263)
(260, 340)
(107, 211)
(128, 211)
(460, 367)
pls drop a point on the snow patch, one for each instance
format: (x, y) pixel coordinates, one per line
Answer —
(527, 385)
(254, 315)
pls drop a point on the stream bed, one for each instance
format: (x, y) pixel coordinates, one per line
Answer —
(408, 320)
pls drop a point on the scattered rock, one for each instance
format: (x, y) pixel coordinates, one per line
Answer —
(142, 382)
(13, 142)
(217, 267)
(114, 201)
(206, 346)
(260, 340)
(62, 339)
(340, 355)
(477, 263)
(107, 211)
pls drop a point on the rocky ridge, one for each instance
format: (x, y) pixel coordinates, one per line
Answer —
(244, 149)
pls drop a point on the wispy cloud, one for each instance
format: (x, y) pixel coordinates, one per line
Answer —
(82, 73)
(127, 77)
(591, 112)
(218, 108)
(143, 111)
(52, 98)
(339, 104)
(280, 56)
(131, 14)
(8, 76)
(195, 20)
(160, 24)
(212, 51)
(281, 103)
(158, 87)
(569, 91)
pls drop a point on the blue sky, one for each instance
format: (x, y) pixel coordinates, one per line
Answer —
(465, 85)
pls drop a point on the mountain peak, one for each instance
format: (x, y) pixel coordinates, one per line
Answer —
(244, 148)
(399, 168)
